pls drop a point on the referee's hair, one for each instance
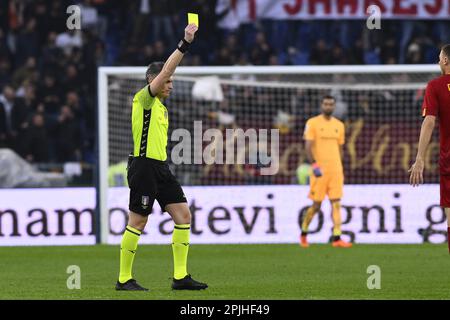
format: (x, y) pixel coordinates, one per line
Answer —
(446, 50)
(153, 70)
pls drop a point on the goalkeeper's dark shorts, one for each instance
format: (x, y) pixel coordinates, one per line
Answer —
(151, 179)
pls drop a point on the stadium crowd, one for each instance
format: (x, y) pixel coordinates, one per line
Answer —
(48, 72)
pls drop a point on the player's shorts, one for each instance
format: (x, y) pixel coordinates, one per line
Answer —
(329, 184)
(445, 191)
(151, 179)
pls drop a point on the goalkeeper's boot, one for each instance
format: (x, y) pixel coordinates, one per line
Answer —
(130, 285)
(341, 244)
(303, 241)
(187, 283)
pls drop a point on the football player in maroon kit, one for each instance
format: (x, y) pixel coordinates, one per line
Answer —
(437, 104)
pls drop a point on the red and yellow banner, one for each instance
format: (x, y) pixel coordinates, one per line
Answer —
(241, 11)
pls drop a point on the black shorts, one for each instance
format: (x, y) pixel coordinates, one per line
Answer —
(151, 179)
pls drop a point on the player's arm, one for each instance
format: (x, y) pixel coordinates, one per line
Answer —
(309, 153)
(173, 61)
(426, 131)
(315, 166)
(341, 151)
(430, 109)
(309, 137)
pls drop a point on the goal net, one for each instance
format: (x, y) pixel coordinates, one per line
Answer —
(380, 106)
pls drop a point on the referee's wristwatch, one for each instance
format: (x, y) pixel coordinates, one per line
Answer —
(183, 46)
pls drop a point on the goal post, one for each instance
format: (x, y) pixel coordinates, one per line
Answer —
(370, 99)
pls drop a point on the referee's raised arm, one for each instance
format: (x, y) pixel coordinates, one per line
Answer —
(170, 65)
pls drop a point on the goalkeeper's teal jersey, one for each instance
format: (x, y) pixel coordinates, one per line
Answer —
(149, 123)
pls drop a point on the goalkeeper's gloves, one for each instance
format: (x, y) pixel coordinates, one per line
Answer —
(316, 170)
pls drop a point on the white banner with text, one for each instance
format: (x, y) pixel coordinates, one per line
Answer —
(228, 214)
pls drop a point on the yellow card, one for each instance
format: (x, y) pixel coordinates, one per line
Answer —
(193, 18)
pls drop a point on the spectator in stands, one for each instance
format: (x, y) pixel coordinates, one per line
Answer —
(5, 71)
(50, 94)
(160, 51)
(29, 97)
(35, 140)
(338, 56)
(320, 54)
(68, 136)
(162, 15)
(72, 80)
(141, 22)
(100, 56)
(232, 44)
(90, 16)
(261, 50)
(4, 50)
(4, 11)
(414, 53)
(148, 54)
(356, 52)
(43, 23)
(27, 43)
(74, 103)
(25, 72)
(13, 118)
(69, 40)
(51, 54)
(129, 55)
(389, 51)
(224, 57)
(273, 60)
(58, 16)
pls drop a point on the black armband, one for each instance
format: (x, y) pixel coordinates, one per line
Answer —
(183, 46)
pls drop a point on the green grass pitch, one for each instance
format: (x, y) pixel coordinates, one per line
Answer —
(260, 272)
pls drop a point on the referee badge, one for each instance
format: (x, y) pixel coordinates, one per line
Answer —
(145, 201)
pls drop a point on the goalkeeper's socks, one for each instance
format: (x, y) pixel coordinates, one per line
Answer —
(127, 251)
(180, 248)
(307, 220)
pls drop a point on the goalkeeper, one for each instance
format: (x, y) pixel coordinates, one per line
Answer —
(324, 137)
(149, 176)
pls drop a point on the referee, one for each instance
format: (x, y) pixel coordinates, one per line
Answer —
(149, 176)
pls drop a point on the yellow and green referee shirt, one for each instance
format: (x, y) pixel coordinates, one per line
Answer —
(149, 123)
